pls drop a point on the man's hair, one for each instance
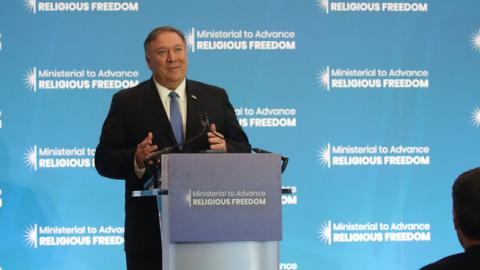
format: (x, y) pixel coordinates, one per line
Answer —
(466, 202)
(157, 31)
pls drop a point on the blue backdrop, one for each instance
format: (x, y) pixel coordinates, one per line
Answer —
(376, 103)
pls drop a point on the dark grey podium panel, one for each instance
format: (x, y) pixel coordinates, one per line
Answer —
(222, 211)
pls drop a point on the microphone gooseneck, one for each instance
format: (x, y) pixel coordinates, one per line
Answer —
(205, 122)
(154, 156)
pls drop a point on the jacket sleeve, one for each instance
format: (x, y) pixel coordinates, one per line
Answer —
(237, 140)
(113, 156)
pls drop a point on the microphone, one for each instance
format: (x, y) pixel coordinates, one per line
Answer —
(154, 156)
(258, 151)
(205, 121)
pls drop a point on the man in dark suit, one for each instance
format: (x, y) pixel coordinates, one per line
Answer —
(466, 217)
(155, 114)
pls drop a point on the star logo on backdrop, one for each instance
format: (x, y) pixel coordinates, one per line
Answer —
(476, 116)
(325, 233)
(475, 40)
(30, 79)
(31, 158)
(31, 5)
(324, 156)
(323, 78)
(323, 5)
(31, 234)
(190, 38)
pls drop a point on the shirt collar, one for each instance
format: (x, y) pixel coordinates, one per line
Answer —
(164, 92)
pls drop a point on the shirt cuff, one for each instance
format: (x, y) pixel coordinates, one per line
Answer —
(139, 172)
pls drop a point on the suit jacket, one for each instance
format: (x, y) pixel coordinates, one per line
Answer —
(133, 113)
(469, 260)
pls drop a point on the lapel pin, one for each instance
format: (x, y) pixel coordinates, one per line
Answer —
(194, 97)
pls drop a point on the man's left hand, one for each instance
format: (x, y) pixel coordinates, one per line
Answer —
(216, 139)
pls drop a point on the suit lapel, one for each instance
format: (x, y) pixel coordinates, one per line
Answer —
(159, 116)
(193, 111)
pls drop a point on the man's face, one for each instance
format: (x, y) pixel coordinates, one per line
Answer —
(167, 59)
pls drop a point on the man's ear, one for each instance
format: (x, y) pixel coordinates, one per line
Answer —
(147, 59)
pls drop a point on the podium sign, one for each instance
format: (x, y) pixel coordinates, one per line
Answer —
(222, 211)
(223, 197)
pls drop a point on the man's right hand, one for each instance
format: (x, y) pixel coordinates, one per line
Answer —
(144, 149)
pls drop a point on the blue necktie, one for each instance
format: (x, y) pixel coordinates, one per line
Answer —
(176, 117)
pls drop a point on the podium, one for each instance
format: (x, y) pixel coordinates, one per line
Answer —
(219, 211)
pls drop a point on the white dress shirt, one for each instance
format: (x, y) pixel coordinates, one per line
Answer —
(164, 96)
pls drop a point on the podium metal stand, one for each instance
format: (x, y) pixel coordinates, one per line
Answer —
(219, 211)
